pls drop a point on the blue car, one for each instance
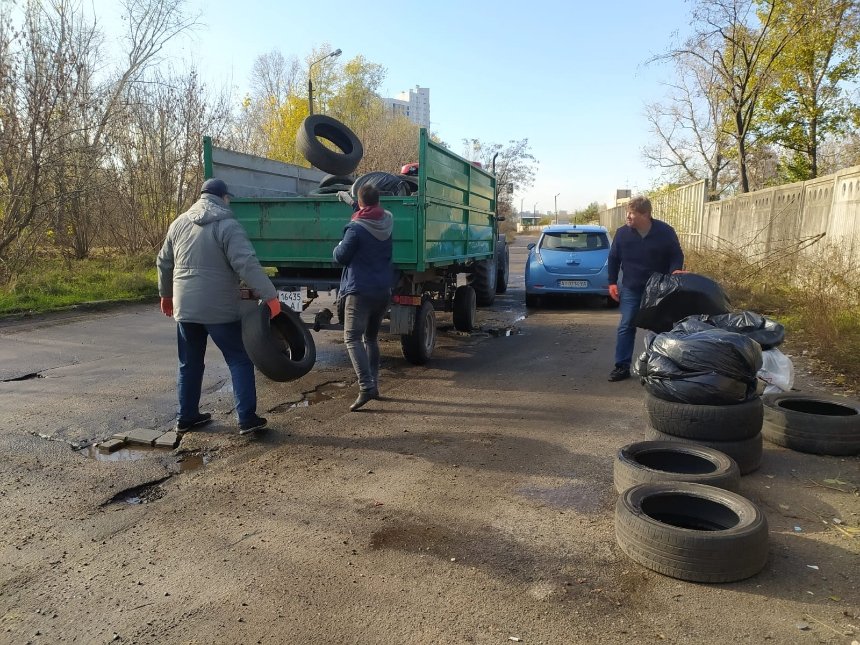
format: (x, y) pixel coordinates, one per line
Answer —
(568, 259)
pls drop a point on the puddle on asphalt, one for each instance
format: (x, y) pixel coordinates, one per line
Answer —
(502, 332)
(185, 463)
(324, 392)
(584, 498)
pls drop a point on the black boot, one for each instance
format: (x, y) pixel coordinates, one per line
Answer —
(364, 396)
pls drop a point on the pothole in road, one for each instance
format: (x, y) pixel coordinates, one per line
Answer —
(501, 332)
(324, 392)
(25, 377)
(143, 494)
(185, 463)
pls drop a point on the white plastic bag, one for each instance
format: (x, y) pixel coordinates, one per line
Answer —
(777, 371)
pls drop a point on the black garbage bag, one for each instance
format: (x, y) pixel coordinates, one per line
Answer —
(385, 182)
(667, 381)
(711, 350)
(766, 332)
(670, 298)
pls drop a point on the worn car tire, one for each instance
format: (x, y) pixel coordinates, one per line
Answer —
(464, 308)
(747, 453)
(319, 126)
(820, 425)
(282, 347)
(418, 346)
(503, 266)
(692, 531)
(708, 422)
(483, 281)
(336, 180)
(651, 462)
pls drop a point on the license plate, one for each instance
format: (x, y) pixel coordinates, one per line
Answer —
(573, 283)
(292, 298)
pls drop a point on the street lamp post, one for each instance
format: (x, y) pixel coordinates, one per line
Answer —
(534, 211)
(555, 199)
(333, 54)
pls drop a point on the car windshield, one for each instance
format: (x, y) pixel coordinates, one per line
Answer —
(574, 241)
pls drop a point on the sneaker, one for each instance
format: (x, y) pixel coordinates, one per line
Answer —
(620, 373)
(201, 420)
(252, 424)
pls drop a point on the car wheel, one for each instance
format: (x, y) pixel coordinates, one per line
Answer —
(819, 425)
(708, 422)
(282, 348)
(651, 462)
(747, 453)
(503, 268)
(692, 531)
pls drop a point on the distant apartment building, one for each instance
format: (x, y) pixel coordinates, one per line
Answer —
(413, 104)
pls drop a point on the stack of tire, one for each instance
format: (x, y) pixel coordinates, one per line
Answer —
(679, 513)
(701, 387)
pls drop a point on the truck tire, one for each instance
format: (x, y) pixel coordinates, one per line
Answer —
(282, 347)
(418, 346)
(820, 425)
(320, 126)
(503, 267)
(483, 281)
(464, 308)
(652, 462)
(336, 180)
(708, 422)
(692, 531)
(747, 453)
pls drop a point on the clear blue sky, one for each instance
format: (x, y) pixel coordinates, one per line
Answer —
(569, 76)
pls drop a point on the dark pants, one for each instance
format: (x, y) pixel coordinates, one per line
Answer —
(363, 315)
(191, 338)
(629, 307)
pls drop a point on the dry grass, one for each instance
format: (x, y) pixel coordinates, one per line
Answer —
(814, 293)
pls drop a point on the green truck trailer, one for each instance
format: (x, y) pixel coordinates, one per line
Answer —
(446, 229)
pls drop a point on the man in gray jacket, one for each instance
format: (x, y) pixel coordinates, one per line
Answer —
(204, 256)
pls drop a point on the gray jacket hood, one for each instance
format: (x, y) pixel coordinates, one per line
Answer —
(208, 209)
(380, 228)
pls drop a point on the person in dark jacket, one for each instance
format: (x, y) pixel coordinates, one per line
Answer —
(205, 254)
(642, 247)
(365, 251)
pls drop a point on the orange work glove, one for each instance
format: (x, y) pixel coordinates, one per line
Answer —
(613, 292)
(274, 307)
(167, 307)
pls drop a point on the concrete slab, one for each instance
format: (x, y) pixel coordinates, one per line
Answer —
(144, 436)
(167, 440)
(111, 444)
(121, 436)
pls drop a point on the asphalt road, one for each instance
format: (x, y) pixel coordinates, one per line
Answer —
(474, 504)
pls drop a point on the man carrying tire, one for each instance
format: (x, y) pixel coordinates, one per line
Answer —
(203, 258)
(639, 248)
(365, 251)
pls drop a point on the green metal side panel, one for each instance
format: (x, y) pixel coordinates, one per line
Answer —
(303, 231)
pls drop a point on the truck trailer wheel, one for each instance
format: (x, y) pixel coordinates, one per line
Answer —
(418, 346)
(282, 347)
(483, 281)
(503, 263)
(464, 308)
(340, 162)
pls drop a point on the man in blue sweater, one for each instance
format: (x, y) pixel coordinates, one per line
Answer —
(365, 251)
(642, 247)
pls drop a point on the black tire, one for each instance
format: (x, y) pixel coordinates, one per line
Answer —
(820, 425)
(503, 267)
(692, 531)
(282, 347)
(747, 453)
(532, 301)
(652, 462)
(483, 281)
(707, 422)
(464, 308)
(336, 180)
(320, 126)
(418, 346)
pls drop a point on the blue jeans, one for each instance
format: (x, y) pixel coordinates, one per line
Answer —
(363, 315)
(191, 340)
(629, 307)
